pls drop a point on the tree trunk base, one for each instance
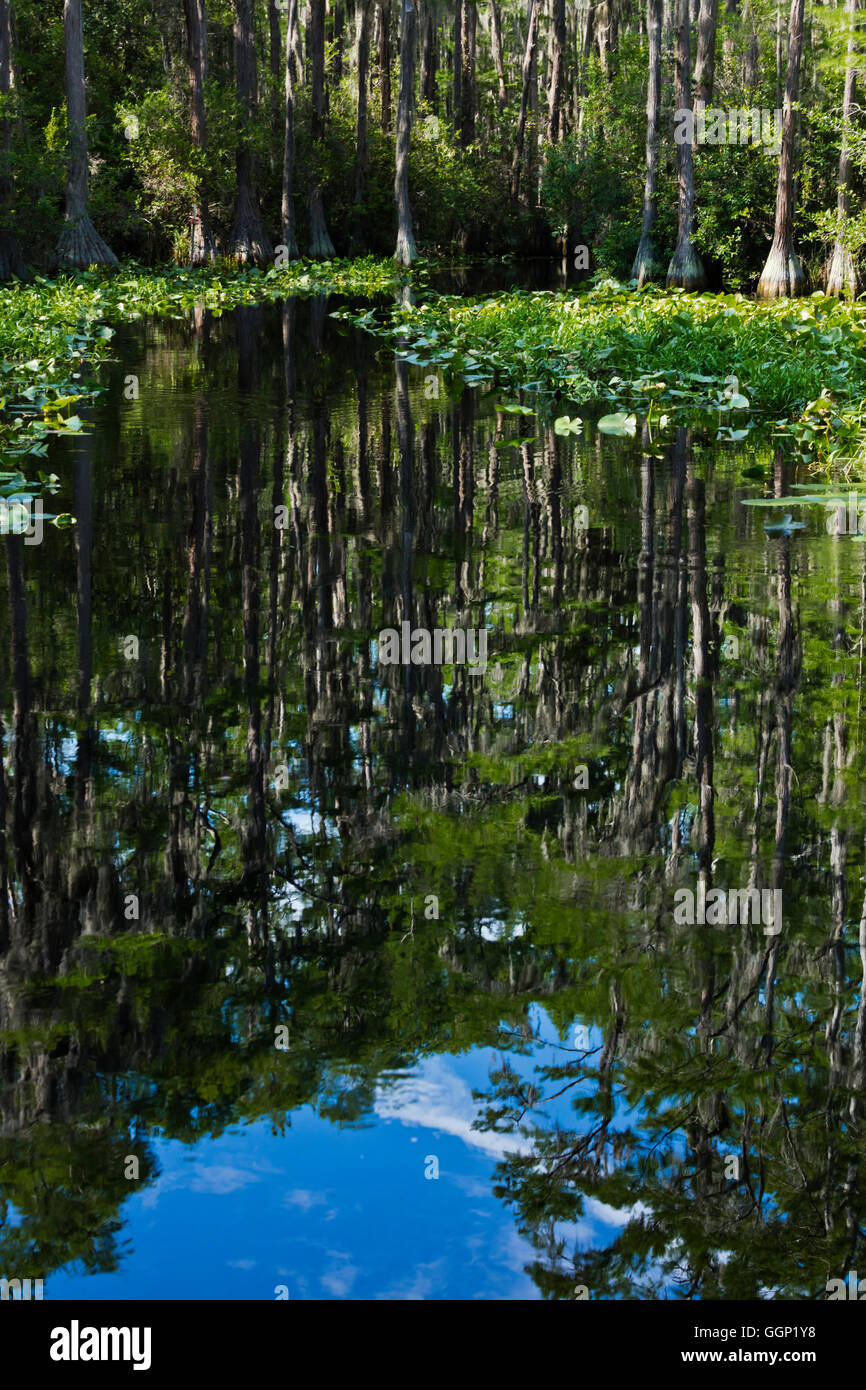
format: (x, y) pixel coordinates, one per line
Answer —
(783, 276)
(80, 245)
(842, 274)
(645, 267)
(321, 246)
(202, 245)
(249, 243)
(686, 270)
(288, 247)
(12, 264)
(406, 252)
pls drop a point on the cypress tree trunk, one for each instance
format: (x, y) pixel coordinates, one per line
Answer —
(321, 246)
(428, 56)
(533, 72)
(288, 203)
(362, 48)
(603, 34)
(275, 62)
(783, 274)
(778, 54)
(11, 262)
(339, 20)
(249, 242)
(705, 62)
(496, 48)
(644, 261)
(685, 270)
(750, 62)
(585, 53)
(556, 88)
(299, 67)
(80, 244)
(525, 98)
(385, 64)
(457, 101)
(842, 272)
(202, 246)
(467, 72)
(406, 251)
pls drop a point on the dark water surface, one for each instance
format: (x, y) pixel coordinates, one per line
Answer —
(229, 830)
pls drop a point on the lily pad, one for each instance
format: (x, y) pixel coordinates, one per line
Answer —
(619, 424)
(783, 527)
(566, 425)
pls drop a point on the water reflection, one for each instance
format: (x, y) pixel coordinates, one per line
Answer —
(247, 868)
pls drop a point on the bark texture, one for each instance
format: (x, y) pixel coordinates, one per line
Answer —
(362, 65)
(556, 65)
(644, 267)
(385, 65)
(321, 246)
(468, 19)
(406, 251)
(525, 98)
(496, 49)
(289, 239)
(80, 244)
(705, 60)
(427, 80)
(686, 269)
(783, 274)
(249, 242)
(842, 271)
(202, 244)
(11, 260)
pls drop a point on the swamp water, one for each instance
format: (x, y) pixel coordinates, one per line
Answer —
(323, 977)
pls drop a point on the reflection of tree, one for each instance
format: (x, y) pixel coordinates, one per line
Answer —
(263, 903)
(751, 1144)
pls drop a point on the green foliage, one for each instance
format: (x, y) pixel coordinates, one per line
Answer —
(735, 189)
(590, 185)
(53, 331)
(712, 352)
(163, 159)
(592, 182)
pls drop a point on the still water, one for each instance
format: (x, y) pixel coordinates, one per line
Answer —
(324, 978)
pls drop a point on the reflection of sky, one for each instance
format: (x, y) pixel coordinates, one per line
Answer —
(340, 1212)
